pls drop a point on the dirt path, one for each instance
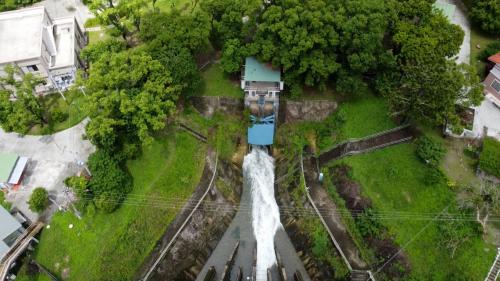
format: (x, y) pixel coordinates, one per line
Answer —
(332, 218)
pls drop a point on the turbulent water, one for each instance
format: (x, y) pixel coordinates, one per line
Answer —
(258, 171)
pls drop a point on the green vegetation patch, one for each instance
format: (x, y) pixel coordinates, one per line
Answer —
(217, 83)
(113, 246)
(63, 114)
(489, 161)
(364, 115)
(393, 179)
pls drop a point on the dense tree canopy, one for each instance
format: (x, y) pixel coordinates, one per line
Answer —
(20, 109)
(486, 13)
(299, 36)
(123, 15)
(131, 96)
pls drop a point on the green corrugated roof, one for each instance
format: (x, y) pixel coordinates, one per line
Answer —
(447, 9)
(256, 71)
(7, 163)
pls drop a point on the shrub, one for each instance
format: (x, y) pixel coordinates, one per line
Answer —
(430, 151)
(39, 200)
(109, 182)
(58, 116)
(489, 161)
(434, 175)
(4, 203)
(368, 225)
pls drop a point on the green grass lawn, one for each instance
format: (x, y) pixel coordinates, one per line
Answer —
(392, 178)
(478, 37)
(364, 115)
(96, 36)
(218, 84)
(72, 106)
(167, 5)
(113, 246)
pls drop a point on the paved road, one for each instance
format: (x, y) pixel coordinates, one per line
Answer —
(460, 18)
(52, 159)
(241, 230)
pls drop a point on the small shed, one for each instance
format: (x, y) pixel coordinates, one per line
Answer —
(11, 169)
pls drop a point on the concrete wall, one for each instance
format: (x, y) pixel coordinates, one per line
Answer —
(309, 110)
(290, 111)
(209, 105)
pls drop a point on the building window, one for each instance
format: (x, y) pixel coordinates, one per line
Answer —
(496, 85)
(32, 68)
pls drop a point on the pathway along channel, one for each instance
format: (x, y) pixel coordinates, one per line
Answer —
(261, 222)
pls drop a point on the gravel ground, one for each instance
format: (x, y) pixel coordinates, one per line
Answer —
(52, 159)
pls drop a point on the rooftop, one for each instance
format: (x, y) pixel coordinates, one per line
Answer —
(21, 34)
(261, 134)
(447, 9)
(8, 225)
(256, 71)
(495, 58)
(7, 164)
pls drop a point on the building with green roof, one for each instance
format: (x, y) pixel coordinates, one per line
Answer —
(11, 169)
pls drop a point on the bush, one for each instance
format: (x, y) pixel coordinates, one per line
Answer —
(368, 225)
(489, 161)
(430, 151)
(109, 183)
(434, 175)
(4, 203)
(39, 200)
(58, 116)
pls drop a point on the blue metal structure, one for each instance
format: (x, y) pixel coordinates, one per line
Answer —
(262, 130)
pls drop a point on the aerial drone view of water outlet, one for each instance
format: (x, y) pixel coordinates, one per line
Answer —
(255, 245)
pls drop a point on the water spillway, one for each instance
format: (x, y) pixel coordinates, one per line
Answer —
(258, 172)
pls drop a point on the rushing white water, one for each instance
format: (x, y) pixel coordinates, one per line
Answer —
(258, 171)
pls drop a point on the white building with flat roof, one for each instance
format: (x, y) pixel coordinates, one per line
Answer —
(36, 43)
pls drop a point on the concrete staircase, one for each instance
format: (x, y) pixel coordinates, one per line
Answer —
(361, 275)
(495, 269)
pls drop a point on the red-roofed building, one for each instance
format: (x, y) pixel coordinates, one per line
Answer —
(492, 81)
(495, 58)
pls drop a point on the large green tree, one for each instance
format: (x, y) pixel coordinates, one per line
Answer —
(132, 94)
(174, 39)
(486, 13)
(125, 16)
(20, 108)
(426, 84)
(300, 37)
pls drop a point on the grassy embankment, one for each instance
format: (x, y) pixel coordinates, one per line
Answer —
(113, 246)
(393, 179)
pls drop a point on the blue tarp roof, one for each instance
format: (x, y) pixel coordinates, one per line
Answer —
(261, 134)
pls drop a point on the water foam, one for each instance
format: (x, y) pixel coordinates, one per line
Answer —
(258, 171)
